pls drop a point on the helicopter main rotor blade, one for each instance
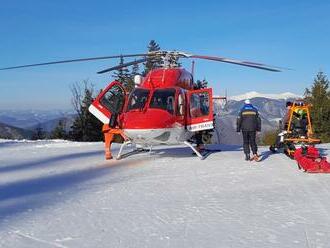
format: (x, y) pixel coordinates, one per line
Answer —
(123, 65)
(238, 62)
(74, 60)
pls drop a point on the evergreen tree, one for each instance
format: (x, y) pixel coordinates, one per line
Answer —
(122, 73)
(39, 134)
(135, 70)
(130, 82)
(200, 84)
(123, 76)
(59, 131)
(152, 62)
(85, 126)
(319, 96)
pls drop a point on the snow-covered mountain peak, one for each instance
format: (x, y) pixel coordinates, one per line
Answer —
(254, 94)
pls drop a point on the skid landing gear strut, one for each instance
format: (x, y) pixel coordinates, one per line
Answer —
(194, 149)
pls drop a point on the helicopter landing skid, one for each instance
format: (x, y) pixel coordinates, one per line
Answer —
(136, 151)
(119, 155)
(194, 150)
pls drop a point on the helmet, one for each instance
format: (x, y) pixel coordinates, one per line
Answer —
(247, 101)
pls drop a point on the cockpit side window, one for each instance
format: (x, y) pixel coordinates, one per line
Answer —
(199, 104)
(138, 99)
(163, 99)
(114, 99)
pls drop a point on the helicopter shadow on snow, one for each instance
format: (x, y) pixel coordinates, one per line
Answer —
(186, 152)
(49, 161)
(170, 152)
(183, 152)
(31, 194)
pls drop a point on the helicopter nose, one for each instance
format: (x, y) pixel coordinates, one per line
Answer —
(150, 119)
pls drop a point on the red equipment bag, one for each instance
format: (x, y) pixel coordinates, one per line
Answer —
(310, 160)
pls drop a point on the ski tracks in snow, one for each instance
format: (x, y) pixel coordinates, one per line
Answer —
(19, 233)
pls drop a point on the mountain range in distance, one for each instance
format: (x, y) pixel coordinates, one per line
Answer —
(271, 109)
(254, 94)
(10, 132)
(21, 124)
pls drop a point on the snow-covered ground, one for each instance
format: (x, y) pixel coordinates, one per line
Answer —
(64, 194)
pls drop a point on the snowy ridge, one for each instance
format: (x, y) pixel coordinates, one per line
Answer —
(254, 94)
(54, 143)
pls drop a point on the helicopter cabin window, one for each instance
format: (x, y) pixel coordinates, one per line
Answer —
(138, 99)
(199, 104)
(114, 99)
(163, 99)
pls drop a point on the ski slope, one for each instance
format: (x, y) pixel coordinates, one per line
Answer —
(64, 194)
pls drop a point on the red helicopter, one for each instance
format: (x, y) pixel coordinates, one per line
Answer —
(164, 108)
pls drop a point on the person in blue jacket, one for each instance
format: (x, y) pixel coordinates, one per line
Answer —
(249, 122)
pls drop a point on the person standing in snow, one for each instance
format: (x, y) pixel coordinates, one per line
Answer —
(249, 122)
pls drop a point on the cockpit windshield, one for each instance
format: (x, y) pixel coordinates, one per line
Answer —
(163, 99)
(138, 99)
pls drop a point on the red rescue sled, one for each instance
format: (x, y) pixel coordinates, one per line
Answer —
(310, 160)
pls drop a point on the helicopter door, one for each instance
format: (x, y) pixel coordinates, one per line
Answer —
(200, 110)
(109, 104)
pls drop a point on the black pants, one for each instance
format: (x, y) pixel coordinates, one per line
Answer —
(249, 140)
(198, 137)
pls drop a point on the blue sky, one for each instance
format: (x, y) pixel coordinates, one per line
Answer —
(291, 34)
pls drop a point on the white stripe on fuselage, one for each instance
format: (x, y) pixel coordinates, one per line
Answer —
(173, 135)
(200, 126)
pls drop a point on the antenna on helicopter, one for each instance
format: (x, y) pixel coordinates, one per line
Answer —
(193, 68)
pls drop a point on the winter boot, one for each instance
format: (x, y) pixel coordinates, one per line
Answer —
(247, 157)
(256, 157)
